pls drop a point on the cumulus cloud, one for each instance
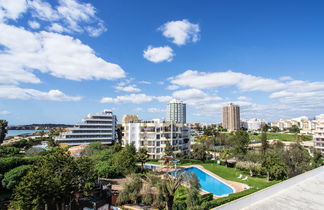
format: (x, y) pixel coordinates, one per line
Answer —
(128, 88)
(13, 92)
(11, 9)
(68, 16)
(243, 98)
(172, 87)
(194, 96)
(181, 31)
(158, 54)
(34, 24)
(244, 82)
(40, 51)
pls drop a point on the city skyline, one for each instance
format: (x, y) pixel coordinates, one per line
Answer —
(60, 60)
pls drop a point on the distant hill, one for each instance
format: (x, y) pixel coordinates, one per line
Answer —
(38, 126)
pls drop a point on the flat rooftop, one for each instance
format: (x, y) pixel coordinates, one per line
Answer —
(305, 191)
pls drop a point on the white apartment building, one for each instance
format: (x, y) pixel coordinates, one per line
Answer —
(318, 137)
(154, 134)
(253, 124)
(99, 127)
(176, 111)
(305, 125)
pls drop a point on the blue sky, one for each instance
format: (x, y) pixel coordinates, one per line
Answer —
(60, 60)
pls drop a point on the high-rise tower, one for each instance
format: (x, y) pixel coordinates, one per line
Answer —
(176, 111)
(231, 117)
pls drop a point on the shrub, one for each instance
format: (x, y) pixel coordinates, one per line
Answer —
(251, 167)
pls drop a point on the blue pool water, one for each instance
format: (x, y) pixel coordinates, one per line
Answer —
(209, 183)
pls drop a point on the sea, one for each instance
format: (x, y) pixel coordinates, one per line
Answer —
(19, 132)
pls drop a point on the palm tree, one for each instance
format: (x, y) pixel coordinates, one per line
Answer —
(168, 188)
(225, 154)
(3, 130)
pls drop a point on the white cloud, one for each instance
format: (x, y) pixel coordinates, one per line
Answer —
(156, 110)
(145, 82)
(128, 88)
(163, 99)
(4, 112)
(132, 98)
(11, 9)
(158, 54)
(68, 16)
(172, 87)
(194, 96)
(284, 78)
(13, 92)
(243, 98)
(40, 51)
(181, 31)
(243, 82)
(34, 24)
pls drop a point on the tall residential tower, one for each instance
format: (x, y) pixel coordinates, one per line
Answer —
(231, 117)
(176, 111)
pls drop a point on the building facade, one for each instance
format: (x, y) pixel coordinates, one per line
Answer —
(231, 117)
(99, 127)
(318, 137)
(176, 111)
(253, 124)
(154, 135)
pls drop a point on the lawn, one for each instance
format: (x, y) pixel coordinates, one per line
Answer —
(280, 136)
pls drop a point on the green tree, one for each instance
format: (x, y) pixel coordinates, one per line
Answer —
(199, 152)
(264, 143)
(294, 129)
(298, 159)
(275, 168)
(131, 192)
(125, 160)
(142, 156)
(12, 177)
(265, 127)
(3, 130)
(193, 200)
(240, 142)
(54, 181)
(275, 129)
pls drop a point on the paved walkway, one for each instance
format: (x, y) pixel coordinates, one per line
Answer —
(305, 191)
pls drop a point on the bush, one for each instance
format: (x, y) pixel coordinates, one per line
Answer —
(251, 167)
(104, 170)
(9, 163)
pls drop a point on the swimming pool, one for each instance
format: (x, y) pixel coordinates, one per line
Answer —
(209, 183)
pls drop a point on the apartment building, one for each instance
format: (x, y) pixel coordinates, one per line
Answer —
(231, 117)
(318, 137)
(253, 124)
(176, 111)
(154, 135)
(99, 127)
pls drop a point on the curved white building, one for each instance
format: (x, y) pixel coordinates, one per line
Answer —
(99, 127)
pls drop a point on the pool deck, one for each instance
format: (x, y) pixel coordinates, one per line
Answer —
(236, 186)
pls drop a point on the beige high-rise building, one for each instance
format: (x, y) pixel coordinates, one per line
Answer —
(231, 117)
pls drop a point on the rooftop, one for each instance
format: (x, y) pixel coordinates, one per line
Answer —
(305, 191)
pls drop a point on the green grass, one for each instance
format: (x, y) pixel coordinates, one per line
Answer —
(280, 136)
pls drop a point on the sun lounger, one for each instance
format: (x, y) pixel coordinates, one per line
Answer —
(240, 176)
(246, 178)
